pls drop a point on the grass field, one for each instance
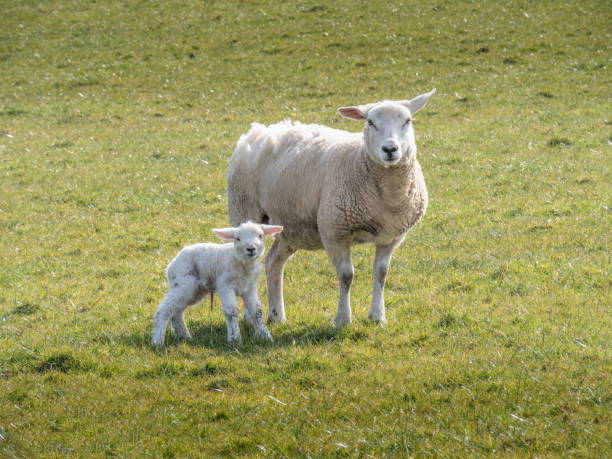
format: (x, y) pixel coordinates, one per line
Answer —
(117, 122)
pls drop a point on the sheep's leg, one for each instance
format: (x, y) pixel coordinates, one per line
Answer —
(252, 310)
(340, 256)
(232, 313)
(382, 258)
(179, 326)
(276, 258)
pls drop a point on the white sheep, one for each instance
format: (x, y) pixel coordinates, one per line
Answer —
(229, 269)
(331, 189)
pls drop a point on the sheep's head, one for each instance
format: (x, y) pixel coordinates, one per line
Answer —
(248, 238)
(388, 132)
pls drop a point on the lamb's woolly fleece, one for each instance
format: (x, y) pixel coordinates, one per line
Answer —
(228, 269)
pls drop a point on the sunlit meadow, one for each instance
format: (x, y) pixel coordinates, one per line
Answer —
(117, 123)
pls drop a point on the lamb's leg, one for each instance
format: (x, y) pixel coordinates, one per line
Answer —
(276, 258)
(179, 326)
(340, 256)
(166, 309)
(181, 294)
(232, 313)
(252, 310)
(382, 258)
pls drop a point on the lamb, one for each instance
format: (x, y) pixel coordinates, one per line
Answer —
(331, 189)
(229, 269)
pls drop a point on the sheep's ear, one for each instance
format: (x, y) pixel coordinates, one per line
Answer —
(269, 230)
(227, 234)
(418, 102)
(355, 112)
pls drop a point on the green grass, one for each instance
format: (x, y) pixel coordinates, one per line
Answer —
(117, 122)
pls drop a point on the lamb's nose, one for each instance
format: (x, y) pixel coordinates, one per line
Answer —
(250, 250)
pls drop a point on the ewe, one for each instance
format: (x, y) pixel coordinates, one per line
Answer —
(331, 189)
(229, 269)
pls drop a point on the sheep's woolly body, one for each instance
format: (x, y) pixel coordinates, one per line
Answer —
(331, 189)
(313, 178)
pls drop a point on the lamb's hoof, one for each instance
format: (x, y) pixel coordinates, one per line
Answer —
(235, 341)
(264, 335)
(156, 343)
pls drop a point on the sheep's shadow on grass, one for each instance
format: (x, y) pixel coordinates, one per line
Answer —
(214, 336)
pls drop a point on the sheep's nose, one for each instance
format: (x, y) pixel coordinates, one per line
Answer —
(250, 250)
(389, 149)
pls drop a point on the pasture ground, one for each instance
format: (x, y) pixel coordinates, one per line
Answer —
(117, 122)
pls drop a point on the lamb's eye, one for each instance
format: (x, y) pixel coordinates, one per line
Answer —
(261, 236)
(371, 123)
(237, 239)
(408, 121)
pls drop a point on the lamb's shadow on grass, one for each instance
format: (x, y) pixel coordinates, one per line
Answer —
(213, 336)
(204, 334)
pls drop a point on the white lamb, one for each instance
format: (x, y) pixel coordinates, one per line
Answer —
(229, 269)
(332, 189)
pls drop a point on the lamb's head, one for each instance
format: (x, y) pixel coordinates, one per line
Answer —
(248, 238)
(388, 132)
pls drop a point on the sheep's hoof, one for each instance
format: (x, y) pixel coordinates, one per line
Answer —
(275, 321)
(342, 321)
(275, 318)
(156, 343)
(378, 319)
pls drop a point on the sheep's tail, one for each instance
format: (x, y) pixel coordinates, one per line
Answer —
(242, 196)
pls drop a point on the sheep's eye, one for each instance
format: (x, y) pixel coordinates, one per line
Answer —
(407, 122)
(371, 123)
(261, 236)
(237, 239)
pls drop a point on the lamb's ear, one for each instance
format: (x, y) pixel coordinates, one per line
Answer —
(355, 112)
(227, 234)
(269, 230)
(418, 102)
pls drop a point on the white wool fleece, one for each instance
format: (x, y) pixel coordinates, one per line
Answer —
(230, 270)
(331, 189)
